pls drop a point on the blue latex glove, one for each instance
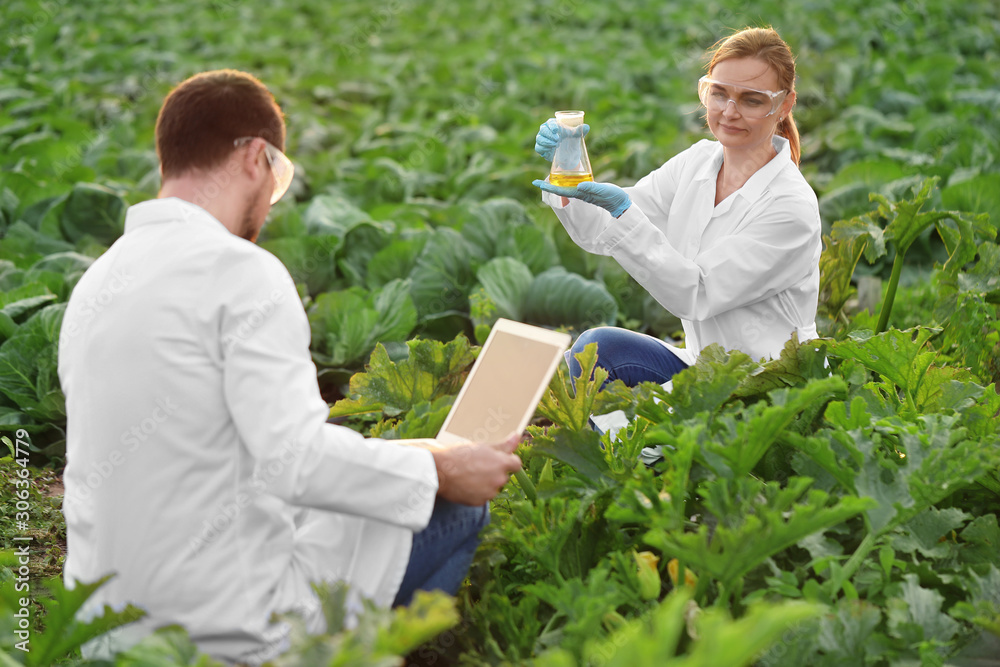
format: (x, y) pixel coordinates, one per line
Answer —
(606, 195)
(550, 133)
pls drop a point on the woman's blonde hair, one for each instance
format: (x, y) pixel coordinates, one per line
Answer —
(764, 44)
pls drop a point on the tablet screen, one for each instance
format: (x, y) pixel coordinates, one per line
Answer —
(505, 385)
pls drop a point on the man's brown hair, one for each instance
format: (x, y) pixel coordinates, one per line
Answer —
(204, 115)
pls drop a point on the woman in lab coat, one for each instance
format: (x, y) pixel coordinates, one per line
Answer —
(725, 235)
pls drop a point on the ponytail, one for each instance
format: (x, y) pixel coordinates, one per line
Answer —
(788, 130)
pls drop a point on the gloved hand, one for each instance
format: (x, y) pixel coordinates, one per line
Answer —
(606, 195)
(550, 133)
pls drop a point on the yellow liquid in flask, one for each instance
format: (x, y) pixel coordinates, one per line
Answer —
(569, 179)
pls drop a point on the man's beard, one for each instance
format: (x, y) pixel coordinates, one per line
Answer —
(249, 229)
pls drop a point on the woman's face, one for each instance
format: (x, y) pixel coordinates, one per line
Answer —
(733, 129)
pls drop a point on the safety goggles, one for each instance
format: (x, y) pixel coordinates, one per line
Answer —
(281, 167)
(750, 102)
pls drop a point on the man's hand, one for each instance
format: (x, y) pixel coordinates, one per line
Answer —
(608, 196)
(473, 473)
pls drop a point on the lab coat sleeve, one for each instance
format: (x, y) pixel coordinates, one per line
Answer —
(273, 397)
(776, 246)
(585, 223)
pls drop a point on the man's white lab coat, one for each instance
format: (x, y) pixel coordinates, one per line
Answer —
(200, 467)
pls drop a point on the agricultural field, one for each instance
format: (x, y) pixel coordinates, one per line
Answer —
(836, 506)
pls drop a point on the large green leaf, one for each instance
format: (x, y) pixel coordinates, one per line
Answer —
(740, 440)
(347, 324)
(332, 214)
(395, 260)
(560, 298)
(93, 210)
(490, 221)
(899, 356)
(432, 369)
(756, 521)
(569, 402)
(29, 366)
(309, 259)
(63, 633)
(529, 245)
(444, 274)
(506, 282)
(361, 244)
(980, 194)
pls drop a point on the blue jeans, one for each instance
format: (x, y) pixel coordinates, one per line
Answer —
(627, 356)
(442, 552)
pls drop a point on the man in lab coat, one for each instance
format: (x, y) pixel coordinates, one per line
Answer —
(200, 467)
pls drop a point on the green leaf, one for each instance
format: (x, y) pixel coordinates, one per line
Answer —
(705, 386)
(347, 324)
(444, 274)
(859, 234)
(167, 647)
(309, 259)
(505, 281)
(580, 450)
(981, 540)
(432, 369)
(24, 300)
(756, 521)
(559, 298)
(427, 616)
(844, 636)
(64, 633)
(742, 439)
(396, 260)
(654, 638)
(983, 605)
(979, 194)
(93, 210)
(332, 214)
(489, 220)
(797, 364)
(569, 402)
(529, 245)
(927, 531)
(423, 420)
(897, 355)
(360, 245)
(915, 615)
(29, 366)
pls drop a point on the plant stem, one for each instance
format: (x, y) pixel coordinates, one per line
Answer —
(890, 292)
(854, 562)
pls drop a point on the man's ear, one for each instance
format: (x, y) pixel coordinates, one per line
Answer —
(254, 161)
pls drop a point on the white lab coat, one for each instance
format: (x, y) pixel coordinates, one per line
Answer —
(744, 274)
(200, 467)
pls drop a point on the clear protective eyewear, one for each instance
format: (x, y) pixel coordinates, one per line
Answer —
(281, 167)
(750, 102)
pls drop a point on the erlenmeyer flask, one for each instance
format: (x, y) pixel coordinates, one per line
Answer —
(570, 164)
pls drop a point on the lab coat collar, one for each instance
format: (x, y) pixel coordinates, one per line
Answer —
(169, 209)
(756, 184)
